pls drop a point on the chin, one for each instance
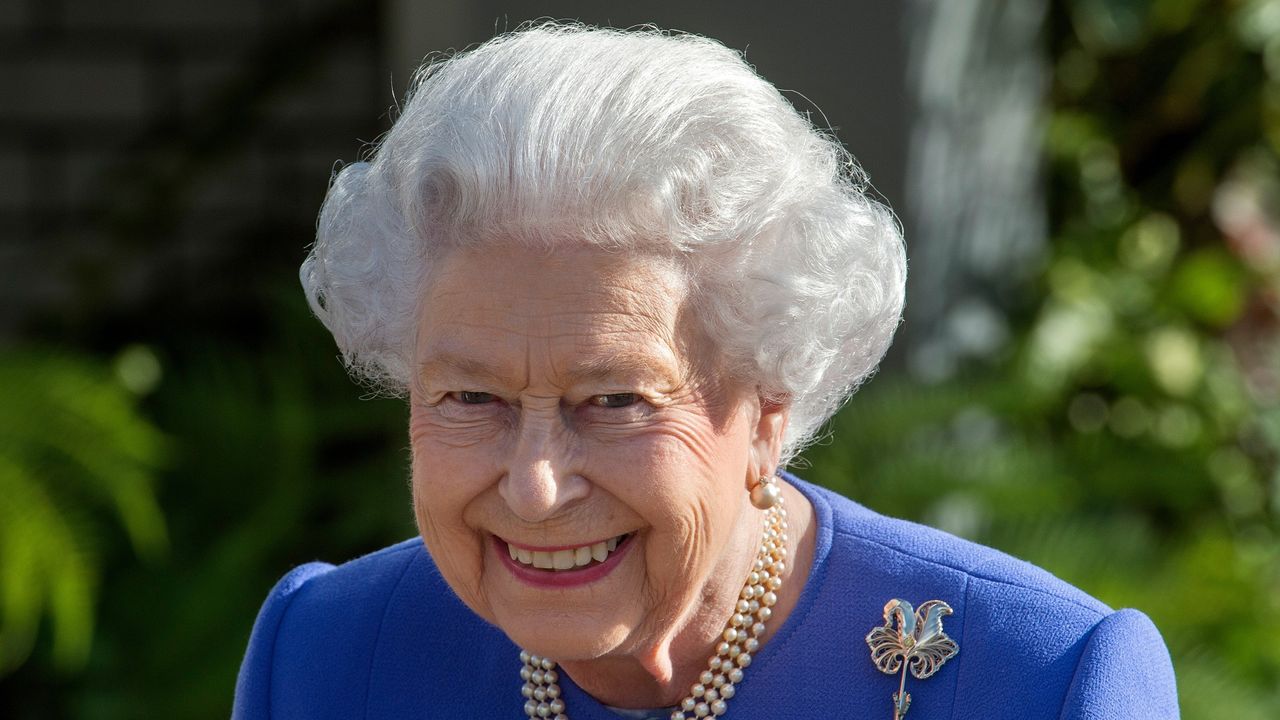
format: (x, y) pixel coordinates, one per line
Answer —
(564, 635)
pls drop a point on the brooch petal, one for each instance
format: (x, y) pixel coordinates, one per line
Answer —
(916, 643)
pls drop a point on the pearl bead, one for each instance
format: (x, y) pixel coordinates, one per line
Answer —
(524, 656)
(764, 614)
(735, 676)
(557, 706)
(527, 690)
(743, 607)
(765, 495)
(540, 694)
(727, 691)
(719, 708)
(769, 599)
(737, 620)
(697, 690)
(711, 695)
(550, 676)
(531, 708)
(537, 677)
(757, 629)
(718, 680)
(730, 635)
(701, 710)
(687, 704)
(548, 664)
(553, 691)
(733, 651)
(706, 677)
(678, 715)
(525, 674)
(722, 648)
(751, 645)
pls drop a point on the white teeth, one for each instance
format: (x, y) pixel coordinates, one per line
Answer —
(565, 559)
(562, 559)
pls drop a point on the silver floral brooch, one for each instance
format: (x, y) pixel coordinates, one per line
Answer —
(917, 643)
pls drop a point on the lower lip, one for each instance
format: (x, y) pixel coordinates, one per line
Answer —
(561, 578)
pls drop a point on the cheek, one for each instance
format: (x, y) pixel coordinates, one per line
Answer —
(447, 477)
(435, 460)
(450, 459)
(699, 460)
(689, 484)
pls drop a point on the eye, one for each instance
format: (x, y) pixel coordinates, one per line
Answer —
(615, 400)
(473, 397)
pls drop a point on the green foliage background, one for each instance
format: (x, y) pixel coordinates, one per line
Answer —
(152, 488)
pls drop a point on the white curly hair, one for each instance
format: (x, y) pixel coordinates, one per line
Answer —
(635, 140)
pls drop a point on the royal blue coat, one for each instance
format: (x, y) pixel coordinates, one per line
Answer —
(383, 637)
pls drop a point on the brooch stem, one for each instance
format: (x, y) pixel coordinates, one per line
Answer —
(901, 699)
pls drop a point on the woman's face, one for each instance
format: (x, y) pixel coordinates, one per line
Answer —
(579, 469)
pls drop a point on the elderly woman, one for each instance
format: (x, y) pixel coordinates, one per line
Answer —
(621, 283)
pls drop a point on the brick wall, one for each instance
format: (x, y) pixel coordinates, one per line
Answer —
(150, 149)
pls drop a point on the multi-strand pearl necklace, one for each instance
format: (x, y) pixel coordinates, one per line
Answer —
(718, 683)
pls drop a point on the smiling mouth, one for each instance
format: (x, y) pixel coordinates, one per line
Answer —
(568, 559)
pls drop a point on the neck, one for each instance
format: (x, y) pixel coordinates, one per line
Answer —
(660, 673)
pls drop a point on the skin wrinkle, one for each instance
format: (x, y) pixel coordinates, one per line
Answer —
(543, 464)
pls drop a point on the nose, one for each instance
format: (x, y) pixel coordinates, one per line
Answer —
(541, 479)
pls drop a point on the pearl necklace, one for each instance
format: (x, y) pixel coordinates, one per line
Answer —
(718, 683)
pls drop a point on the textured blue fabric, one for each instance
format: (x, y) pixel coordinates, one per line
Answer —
(383, 637)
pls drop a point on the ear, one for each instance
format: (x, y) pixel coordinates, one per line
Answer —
(766, 441)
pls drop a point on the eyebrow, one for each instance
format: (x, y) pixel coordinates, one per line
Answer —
(597, 368)
(449, 363)
(610, 366)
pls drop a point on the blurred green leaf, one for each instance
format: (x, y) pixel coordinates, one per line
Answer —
(1210, 287)
(73, 448)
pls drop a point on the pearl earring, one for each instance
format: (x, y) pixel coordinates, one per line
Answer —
(765, 493)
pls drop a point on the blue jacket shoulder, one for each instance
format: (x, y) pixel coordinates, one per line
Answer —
(370, 638)
(1031, 645)
(290, 664)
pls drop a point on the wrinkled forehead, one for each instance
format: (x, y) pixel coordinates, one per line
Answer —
(577, 311)
(528, 281)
